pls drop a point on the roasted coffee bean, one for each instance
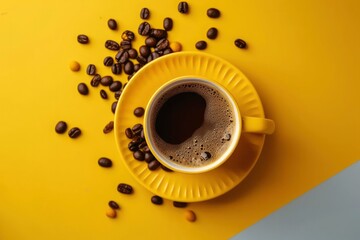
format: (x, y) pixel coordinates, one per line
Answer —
(167, 51)
(158, 33)
(148, 157)
(112, 45)
(125, 44)
(118, 94)
(137, 67)
(83, 89)
(166, 169)
(213, 13)
(125, 188)
(240, 43)
(130, 76)
(137, 128)
(115, 86)
(144, 51)
(74, 132)
(168, 24)
(162, 44)
(128, 35)
(122, 56)
(212, 33)
(133, 146)
(132, 53)
(205, 155)
(104, 162)
(103, 94)
(157, 200)
(61, 127)
(180, 204)
(83, 39)
(95, 81)
(116, 68)
(108, 127)
(112, 24)
(106, 80)
(153, 165)
(201, 45)
(129, 67)
(142, 144)
(108, 61)
(183, 7)
(129, 133)
(139, 111)
(142, 60)
(137, 140)
(144, 29)
(153, 56)
(91, 69)
(114, 205)
(146, 149)
(150, 41)
(139, 155)
(145, 13)
(142, 134)
(113, 106)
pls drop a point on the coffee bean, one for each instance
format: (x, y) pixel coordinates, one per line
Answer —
(115, 86)
(205, 156)
(157, 200)
(142, 145)
(166, 169)
(130, 76)
(118, 94)
(108, 127)
(112, 24)
(158, 33)
(144, 51)
(108, 61)
(133, 146)
(201, 45)
(106, 80)
(125, 188)
(129, 67)
(144, 29)
(168, 24)
(183, 7)
(148, 157)
(104, 162)
(74, 132)
(139, 111)
(114, 205)
(95, 81)
(113, 106)
(125, 44)
(167, 51)
(153, 56)
(137, 67)
(139, 155)
(142, 134)
(91, 69)
(129, 133)
(142, 60)
(153, 165)
(128, 35)
(116, 68)
(162, 44)
(137, 128)
(132, 53)
(240, 43)
(150, 41)
(83, 39)
(122, 56)
(112, 45)
(145, 13)
(146, 149)
(180, 204)
(103, 94)
(213, 13)
(83, 89)
(212, 33)
(61, 127)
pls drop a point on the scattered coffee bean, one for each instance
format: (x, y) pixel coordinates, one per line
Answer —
(162, 44)
(166, 169)
(125, 188)
(190, 216)
(167, 51)
(142, 134)
(74, 66)
(183, 7)
(168, 24)
(212, 33)
(205, 156)
(142, 60)
(91, 69)
(113, 106)
(114, 205)
(137, 140)
(137, 67)
(83, 89)
(175, 46)
(201, 45)
(150, 41)
(122, 56)
(130, 76)
(118, 94)
(126, 44)
(144, 51)
(129, 67)
(137, 128)
(74, 132)
(108, 127)
(116, 68)
(83, 39)
(142, 145)
(112, 45)
(139, 111)
(145, 13)
(132, 53)
(111, 213)
(128, 35)
(129, 133)
(115, 86)
(157, 200)
(148, 157)
(61, 127)
(146, 149)
(133, 146)
(108, 61)
(139, 155)
(104, 162)
(180, 204)
(213, 13)
(240, 43)
(153, 165)
(112, 24)
(158, 33)
(95, 81)
(153, 56)
(144, 29)
(106, 81)
(103, 94)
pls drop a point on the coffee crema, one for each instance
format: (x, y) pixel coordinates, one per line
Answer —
(192, 124)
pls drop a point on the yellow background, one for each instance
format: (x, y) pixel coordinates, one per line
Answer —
(303, 59)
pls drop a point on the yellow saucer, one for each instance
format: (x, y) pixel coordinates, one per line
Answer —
(181, 186)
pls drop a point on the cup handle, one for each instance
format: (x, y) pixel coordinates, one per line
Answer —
(258, 125)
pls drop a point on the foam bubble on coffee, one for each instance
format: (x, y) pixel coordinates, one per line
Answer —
(210, 140)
